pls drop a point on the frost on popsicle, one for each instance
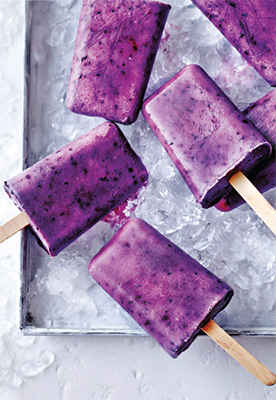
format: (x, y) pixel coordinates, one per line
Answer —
(114, 53)
(69, 191)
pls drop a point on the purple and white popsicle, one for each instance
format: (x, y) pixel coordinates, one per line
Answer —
(206, 136)
(262, 114)
(115, 49)
(166, 291)
(250, 26)
(69, 191)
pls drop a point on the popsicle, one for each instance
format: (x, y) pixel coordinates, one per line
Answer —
(210, 141)
(168, 293)
(115, 49)
(262, 114)
(250, 26)
(69, 191)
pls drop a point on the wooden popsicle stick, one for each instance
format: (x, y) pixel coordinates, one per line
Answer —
(13, 226)
(255, 199)
(239, 353)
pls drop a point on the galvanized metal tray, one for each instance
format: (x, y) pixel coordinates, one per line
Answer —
(58, 296)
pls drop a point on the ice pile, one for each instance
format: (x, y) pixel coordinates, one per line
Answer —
(236, 246)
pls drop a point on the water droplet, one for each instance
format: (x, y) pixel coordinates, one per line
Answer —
(128, 341)
(150, 343)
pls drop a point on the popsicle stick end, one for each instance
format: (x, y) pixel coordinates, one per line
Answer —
(254, 199)
(13, 226)
(241, 355)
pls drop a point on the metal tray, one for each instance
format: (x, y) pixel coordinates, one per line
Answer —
(236, 246)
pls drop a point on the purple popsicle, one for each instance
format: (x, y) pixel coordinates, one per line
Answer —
(165, 290)
(262, 114)
(69, 191)
(250, 26)
(114, 53)
(206, 136)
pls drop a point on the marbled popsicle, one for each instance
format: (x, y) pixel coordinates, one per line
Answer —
(262, 114)
(115, 49)
(166, 291)
(206, 136)
(69, 191)
(250, 26)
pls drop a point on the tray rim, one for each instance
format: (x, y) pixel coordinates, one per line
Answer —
(26, 99)
(28, 329)
(34, 331)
